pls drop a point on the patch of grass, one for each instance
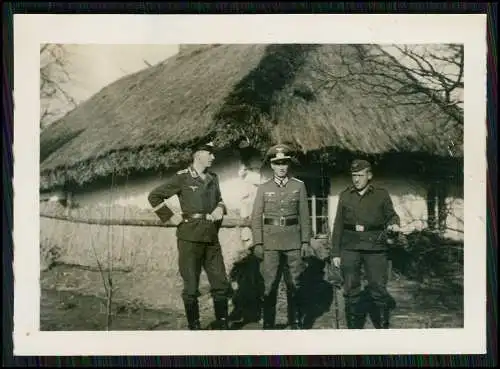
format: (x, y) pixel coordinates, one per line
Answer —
(66, 310)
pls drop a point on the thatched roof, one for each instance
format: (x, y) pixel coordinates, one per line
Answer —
(269, 93)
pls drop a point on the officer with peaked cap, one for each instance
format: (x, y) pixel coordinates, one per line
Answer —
(281, 234)
(364, 214)
(197, 232)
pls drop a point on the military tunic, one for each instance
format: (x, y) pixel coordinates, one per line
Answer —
(281, 224)
(288, 205)
(358, 238)
(197, 237)
(361, 220)
(196, 196)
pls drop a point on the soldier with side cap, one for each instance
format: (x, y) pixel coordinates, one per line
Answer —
(198, 225)
(281, 235)
(365, 214)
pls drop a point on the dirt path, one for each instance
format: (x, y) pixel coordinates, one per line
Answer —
(437, 306)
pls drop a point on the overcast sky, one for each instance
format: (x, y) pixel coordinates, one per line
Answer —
(92, 67)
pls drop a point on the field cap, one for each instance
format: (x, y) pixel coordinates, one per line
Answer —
(359, 165)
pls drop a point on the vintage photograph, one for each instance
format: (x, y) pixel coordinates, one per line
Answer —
(257, 186)
(249, 185)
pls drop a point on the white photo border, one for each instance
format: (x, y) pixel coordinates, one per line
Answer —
(30, 30)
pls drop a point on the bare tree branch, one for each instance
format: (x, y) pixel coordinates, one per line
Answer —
(402, 74)
(55, 100)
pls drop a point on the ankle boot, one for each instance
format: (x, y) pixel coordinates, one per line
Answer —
(221, 314)
(355, 317)
(192, 315)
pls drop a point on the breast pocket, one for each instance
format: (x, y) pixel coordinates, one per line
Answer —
(293, 199)
(290, 204)
(349, 214)
(270, 201)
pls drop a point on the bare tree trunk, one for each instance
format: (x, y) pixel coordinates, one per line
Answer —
(441, 207)
(109, 303)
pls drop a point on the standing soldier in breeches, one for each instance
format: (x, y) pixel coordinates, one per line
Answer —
(364, 214)
(281, 235)
(197, 232)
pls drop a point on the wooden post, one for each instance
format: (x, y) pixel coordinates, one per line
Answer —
(313, 213)
(69, 202)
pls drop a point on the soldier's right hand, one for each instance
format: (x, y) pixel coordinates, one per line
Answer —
(176, 219)
(336, 262)
(258, 251)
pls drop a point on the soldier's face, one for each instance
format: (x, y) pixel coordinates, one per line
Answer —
(360, 179)
(205, 158)
(280, 168)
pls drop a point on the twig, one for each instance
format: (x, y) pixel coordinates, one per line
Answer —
(99, 268)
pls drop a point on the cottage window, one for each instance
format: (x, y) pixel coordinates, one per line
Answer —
(318, 189)
(318, 208)
(437, 211)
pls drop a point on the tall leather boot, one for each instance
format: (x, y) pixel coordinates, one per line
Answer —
(268, 312)
(385, 318)
(221, 314)
(349, 316)
(386, 311)
(294, 312)
(376, 316)
(192, 315)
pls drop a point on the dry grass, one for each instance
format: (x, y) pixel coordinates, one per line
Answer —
(146, 121)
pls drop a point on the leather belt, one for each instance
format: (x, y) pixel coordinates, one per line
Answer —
(362, 228)
(281, 221)
(194, 216)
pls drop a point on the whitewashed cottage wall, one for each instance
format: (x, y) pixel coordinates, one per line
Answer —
(409, 198)
(238, 186)
(135, 191)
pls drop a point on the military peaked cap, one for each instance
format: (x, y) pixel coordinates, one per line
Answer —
(205, 146)
(279, 152)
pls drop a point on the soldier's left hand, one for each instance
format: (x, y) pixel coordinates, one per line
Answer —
(393, 228)
(217, 214)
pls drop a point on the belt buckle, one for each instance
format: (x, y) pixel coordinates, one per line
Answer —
(282, 221)
(360, 228)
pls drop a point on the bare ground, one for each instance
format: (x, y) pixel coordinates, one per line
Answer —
(434, 304)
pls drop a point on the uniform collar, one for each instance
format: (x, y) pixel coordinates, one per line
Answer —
(369, 188)
(195, 174)
(280, 182)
